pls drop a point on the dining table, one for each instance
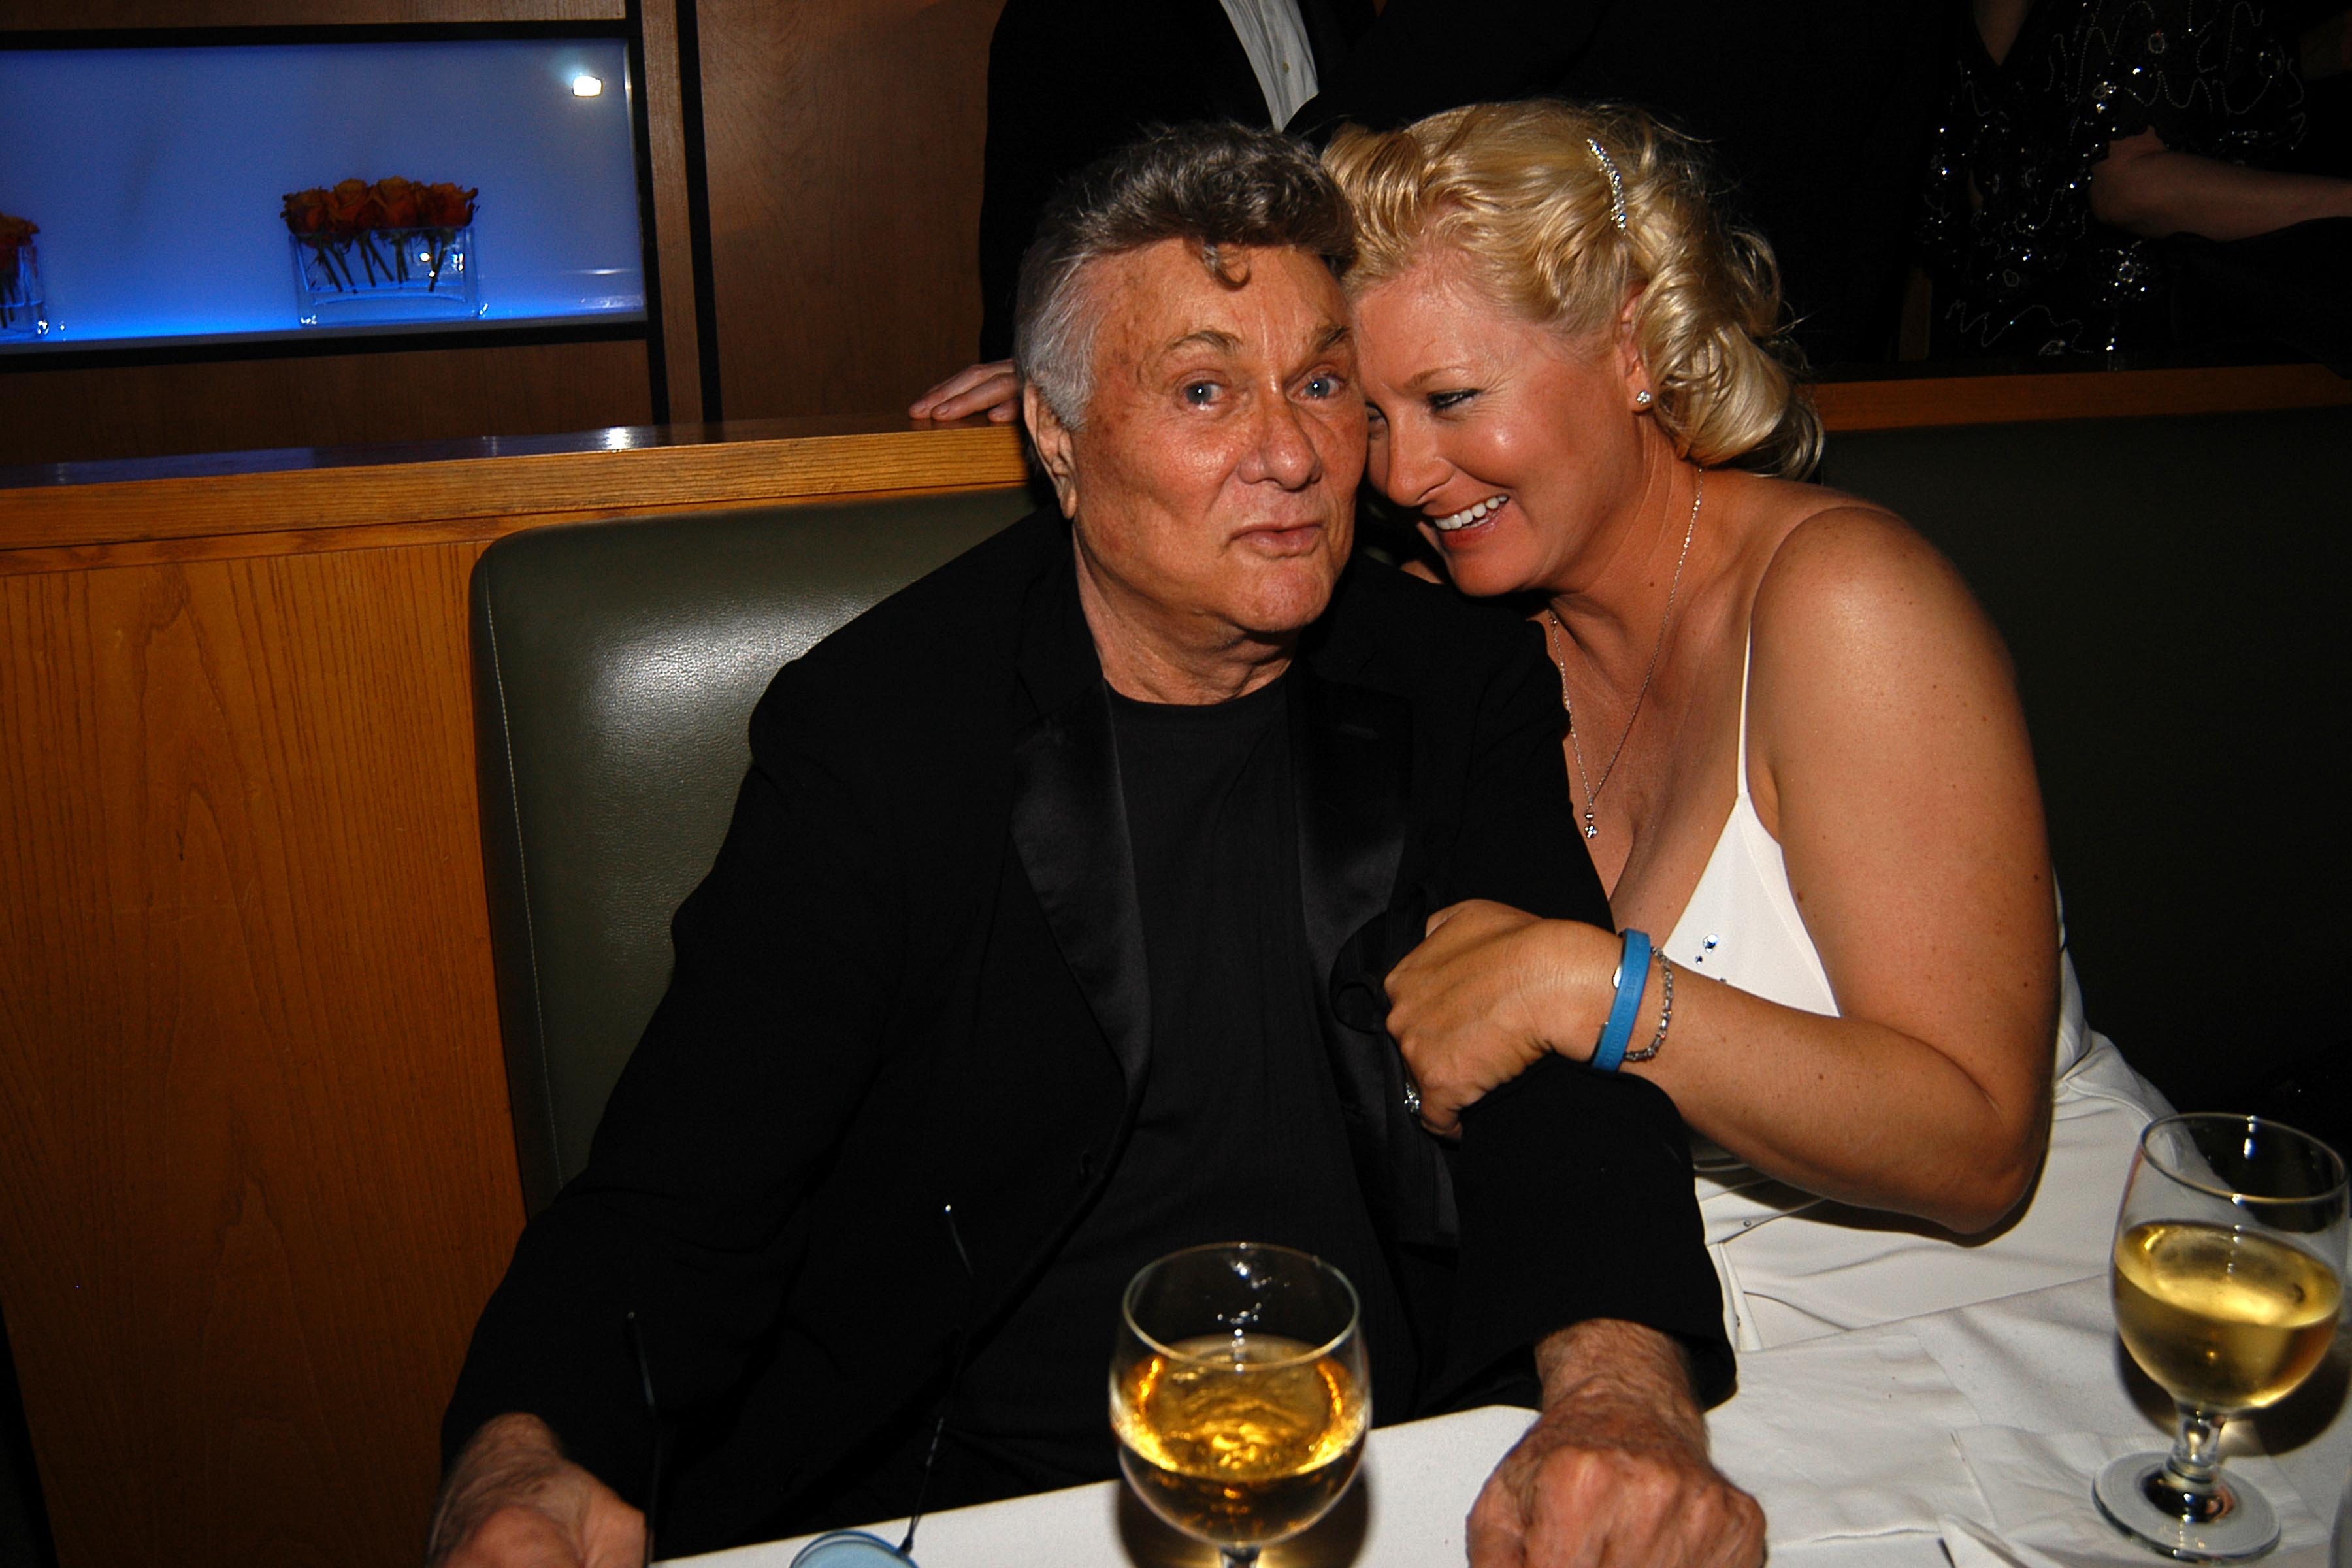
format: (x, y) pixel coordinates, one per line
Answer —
(1961, 1438)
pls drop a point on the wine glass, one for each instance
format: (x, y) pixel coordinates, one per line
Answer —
(2228, 1267)
(1238, 1392)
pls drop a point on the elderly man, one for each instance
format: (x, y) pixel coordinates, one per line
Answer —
(1048, 938)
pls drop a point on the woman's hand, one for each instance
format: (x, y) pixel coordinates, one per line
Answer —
(1489, 990)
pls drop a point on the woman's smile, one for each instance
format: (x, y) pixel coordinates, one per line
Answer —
(1478, 512)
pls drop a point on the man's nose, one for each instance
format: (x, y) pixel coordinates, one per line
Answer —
(1284, 450)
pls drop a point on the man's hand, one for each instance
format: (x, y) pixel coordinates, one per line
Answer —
(993, 389)
(513, 1500)
(1486, 994)
(1615, 1473)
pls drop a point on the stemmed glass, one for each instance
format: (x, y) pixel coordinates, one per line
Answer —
(1239, 1394)
(2228, 1265)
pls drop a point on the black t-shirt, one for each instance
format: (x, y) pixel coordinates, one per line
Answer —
(1239, 1135)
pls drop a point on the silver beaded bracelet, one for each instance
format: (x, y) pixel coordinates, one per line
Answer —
(1665, 1012)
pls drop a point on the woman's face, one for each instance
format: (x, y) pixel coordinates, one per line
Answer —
(1518, 448)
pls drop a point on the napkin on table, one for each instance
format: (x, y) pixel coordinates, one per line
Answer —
(2037, 1490)
(1847, 1435)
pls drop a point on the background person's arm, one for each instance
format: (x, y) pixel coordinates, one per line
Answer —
(2148, 189)
(992, 388)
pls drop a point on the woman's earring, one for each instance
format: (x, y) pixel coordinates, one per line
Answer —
(1642, 398)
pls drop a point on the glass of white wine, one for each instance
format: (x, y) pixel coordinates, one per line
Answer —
(2229, 1253)
(1238, 1392)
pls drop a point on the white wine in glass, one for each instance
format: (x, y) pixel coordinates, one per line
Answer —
(2230, 1251)
(1238, 1392)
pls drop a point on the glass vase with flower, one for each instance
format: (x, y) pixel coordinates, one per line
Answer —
(392, 251)
(23, 309)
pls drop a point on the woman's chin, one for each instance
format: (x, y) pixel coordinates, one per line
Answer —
(1476, 567)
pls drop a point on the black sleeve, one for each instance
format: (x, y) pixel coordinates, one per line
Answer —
(785, 958)
(1573, 1187)
(1422, 55)
(1070, 80)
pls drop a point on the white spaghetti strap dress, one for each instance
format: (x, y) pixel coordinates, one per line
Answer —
(1793, 1265)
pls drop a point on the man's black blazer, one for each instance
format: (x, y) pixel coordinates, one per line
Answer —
(914, 980)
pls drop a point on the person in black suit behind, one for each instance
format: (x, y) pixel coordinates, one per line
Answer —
(1050, 935)
(1071, 81)
(1818, 113)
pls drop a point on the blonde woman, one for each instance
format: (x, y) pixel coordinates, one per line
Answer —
(1793, 740)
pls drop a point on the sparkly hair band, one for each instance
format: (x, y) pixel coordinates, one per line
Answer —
(1616, 183)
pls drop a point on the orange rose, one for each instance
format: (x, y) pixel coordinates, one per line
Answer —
(350, 207)
(306, 211)
(445, 206)
(16, 233)
(396, 199)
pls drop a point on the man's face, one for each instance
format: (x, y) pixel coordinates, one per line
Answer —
(1213, 481)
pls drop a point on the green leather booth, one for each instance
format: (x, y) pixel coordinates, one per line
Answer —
(2167, 586)
(2172, 591)
(615, 665)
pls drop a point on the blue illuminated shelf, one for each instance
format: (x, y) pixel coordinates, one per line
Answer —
(156, 175)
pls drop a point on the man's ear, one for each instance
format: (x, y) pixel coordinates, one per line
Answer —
(1052, 440)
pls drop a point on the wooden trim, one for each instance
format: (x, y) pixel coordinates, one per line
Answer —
(715, 474)
(123, 512)
(2076, 395)
(665, 136)
(389, 535)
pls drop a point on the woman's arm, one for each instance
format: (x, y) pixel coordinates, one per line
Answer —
(1889, 757)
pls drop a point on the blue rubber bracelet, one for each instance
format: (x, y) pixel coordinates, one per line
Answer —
(1632, 979)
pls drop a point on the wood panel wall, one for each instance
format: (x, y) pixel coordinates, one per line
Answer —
(63, 416)
(844, 144)
(258, 1171)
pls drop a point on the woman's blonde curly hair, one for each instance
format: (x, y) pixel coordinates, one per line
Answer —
(1511, 195)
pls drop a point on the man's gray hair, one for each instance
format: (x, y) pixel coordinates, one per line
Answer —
(1213, 185)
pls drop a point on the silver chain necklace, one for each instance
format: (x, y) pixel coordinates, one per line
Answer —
(1552, 624)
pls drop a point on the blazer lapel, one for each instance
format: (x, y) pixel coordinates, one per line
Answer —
(1351, 758)
(1069, 823)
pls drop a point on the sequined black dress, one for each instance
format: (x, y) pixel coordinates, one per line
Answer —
(2021, 266)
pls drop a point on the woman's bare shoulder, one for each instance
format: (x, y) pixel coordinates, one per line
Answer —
(1876, 676)
(1844, 578)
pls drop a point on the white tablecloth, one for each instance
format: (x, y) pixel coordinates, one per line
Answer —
(1962, 1438)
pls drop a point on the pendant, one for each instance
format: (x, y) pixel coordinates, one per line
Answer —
(1589, 830)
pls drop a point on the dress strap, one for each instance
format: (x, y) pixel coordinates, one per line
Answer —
(1747, 660)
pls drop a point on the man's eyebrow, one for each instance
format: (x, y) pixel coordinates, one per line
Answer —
(1334, 334)
(1208, 338)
